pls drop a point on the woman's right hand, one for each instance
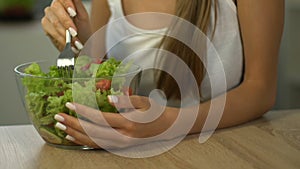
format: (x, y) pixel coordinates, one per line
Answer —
(67, 14)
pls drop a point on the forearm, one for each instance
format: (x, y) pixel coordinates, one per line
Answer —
(244, 103)
(261, 24)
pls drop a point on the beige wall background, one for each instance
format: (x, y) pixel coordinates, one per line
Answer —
(25, 42)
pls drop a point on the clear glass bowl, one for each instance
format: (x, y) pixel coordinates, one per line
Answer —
(42, 106)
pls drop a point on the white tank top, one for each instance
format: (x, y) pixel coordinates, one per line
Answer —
(227, 41)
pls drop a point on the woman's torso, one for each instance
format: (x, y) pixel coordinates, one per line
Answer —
(127, 37)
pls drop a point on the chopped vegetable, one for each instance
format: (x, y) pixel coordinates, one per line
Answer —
(49, 135)
(103, 84)
(47, 94)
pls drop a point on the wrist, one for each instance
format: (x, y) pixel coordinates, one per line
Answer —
(170, 115)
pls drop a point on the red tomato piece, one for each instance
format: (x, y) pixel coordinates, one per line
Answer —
(103, 84)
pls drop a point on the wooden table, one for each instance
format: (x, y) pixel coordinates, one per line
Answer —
(268, 143)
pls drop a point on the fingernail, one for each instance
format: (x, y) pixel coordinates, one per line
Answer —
(74, 50)
(113, 99)
(72, 31)
(59, 118)
(70, 138)
(70, 106)
(60, 126)
(78, 45)
(71, 12)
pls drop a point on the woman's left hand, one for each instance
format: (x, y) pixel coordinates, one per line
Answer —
(144, 118)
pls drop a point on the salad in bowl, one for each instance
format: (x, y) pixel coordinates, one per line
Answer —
(45, 90)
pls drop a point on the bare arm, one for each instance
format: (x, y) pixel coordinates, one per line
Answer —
(100, 14)
(261, 25)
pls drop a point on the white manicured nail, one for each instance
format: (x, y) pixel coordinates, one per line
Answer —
(59, 118)
(78, 45)
(70, 106)
(70, 138)
(113, 99)
(71, 12)
(72, 31)
(74, 50)
(60, 126)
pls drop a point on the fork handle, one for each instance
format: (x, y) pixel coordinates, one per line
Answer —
(68, 37)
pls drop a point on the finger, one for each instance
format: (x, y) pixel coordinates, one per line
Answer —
(82, 126)
(54, 22)
(69, 7)
(66, 121)
(82, 21)
(72, 139)
(64, 18)
(78, 128)
(77, 43)
(80, 138)
(129, 102)
(103, 140)
(82, 13)
(52, 33)
(56, 38)
(100, 118)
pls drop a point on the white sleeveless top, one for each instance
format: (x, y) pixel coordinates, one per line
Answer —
(227, 42)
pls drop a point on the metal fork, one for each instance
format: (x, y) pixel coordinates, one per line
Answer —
(66, 59)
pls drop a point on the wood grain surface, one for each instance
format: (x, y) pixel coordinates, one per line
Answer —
(271, 142)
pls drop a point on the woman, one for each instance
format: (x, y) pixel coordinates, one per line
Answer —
(250, 94)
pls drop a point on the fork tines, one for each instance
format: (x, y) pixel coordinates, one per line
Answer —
(66, 59)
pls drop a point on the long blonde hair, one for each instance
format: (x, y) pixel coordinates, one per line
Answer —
(197, 12)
